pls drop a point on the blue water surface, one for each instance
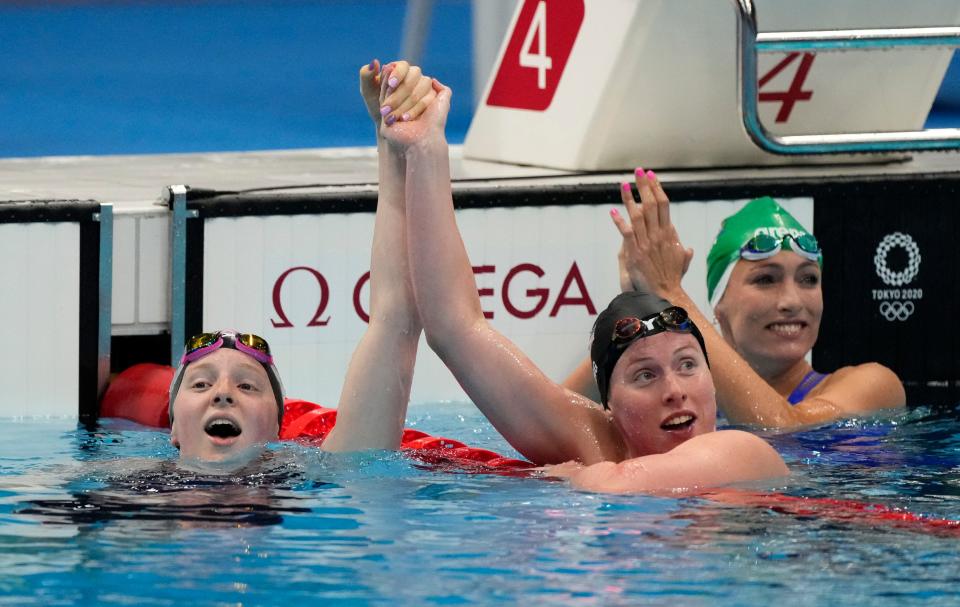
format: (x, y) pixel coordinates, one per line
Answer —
(105, 516)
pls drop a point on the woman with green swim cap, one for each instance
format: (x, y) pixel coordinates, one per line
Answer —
(764, 286)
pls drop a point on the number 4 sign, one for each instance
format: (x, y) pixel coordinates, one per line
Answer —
(795, 93)
(530, 69)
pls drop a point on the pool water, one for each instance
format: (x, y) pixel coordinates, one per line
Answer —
(106, 517)
(135, 77)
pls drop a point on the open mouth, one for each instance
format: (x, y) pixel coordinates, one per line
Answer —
(222, 428)
(678, 422)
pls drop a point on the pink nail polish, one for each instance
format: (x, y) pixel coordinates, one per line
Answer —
(614, 213)
(393, 82)
(385, 110)
(405, 117)
(390, 119)
(651, 175)
(639, 172)
(625, 186)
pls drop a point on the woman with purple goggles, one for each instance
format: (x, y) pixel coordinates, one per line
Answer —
(226, 398)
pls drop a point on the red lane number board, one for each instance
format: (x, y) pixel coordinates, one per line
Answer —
(536, 54)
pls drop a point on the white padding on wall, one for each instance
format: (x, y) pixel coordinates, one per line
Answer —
(40, 277)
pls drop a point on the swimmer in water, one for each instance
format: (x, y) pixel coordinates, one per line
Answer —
(656, 430)
(763, 279)
(226, 398)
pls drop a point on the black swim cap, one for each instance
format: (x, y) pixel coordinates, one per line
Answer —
(633, 304)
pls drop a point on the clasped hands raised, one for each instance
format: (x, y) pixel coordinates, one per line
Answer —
(405, 105)
(651, 256)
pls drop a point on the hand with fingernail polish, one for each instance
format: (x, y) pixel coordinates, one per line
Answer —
(370, 89)
(405, 93)
(396, 92)
(404, 108)
(651, 256)
(630, 279)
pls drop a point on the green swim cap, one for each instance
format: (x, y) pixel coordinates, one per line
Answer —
(759, 216)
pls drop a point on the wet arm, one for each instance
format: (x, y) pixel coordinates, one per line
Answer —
(376, 390)
(745, 398)
(707, 461)
(541, 419)
(581, 380)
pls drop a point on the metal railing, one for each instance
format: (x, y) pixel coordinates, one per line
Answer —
(750, 43)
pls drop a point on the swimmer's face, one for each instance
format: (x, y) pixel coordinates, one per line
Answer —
(771, 310)
(224, 408)
(662, 393)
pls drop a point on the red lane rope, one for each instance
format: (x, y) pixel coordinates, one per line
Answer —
(839, 510)
(140, 394)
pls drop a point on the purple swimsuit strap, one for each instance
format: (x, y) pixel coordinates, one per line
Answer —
(808, 383)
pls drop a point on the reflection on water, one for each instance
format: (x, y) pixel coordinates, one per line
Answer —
(108, 516)
(162, 491)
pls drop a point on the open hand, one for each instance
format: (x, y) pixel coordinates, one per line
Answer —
(651, 256)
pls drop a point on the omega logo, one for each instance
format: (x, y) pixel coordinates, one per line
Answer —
(517, 301)
(284, 322)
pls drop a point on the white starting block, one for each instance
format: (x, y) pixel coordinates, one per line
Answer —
(613, 84)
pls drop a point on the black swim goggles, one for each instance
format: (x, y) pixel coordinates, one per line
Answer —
(765, 246)
(626, 330)
(629, 329)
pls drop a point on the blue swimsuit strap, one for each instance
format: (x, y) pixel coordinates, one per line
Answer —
(809, 382)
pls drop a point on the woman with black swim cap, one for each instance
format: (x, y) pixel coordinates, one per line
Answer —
(658, 430)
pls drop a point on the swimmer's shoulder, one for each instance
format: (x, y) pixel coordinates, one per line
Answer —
(862, 388)
(742, 455)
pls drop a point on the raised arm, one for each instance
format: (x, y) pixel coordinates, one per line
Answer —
(542, 420)
(656, 256)
(376, 389)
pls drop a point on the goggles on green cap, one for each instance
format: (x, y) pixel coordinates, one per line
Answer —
(764, 246)
(757, 231)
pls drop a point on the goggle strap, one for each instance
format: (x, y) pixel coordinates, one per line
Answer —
(202, 351)
(256, 353)
(238, 342)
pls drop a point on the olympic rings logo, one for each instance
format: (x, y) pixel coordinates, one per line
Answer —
(888, 276)
(897, 310)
